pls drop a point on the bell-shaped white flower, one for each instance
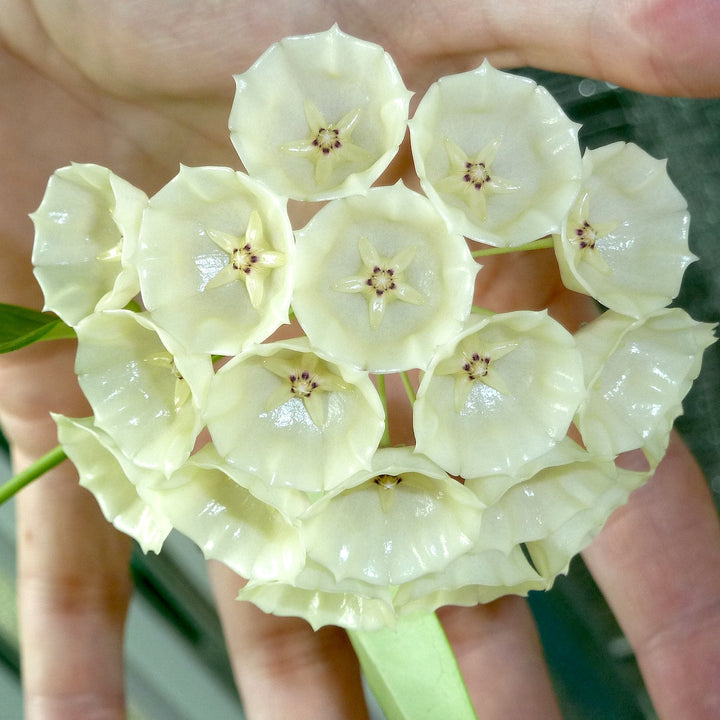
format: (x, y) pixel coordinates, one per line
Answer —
(497, 155)
(319, 116)
(380, 281)
(294, 418)
(637, 373)
(499, 395)
(116, 484)
(556, 506)
(143, 394)
(403, 519)
(86, 231)
(625, 242)
(215, 260)
(479, 576)
(228, 523)
(319, 598)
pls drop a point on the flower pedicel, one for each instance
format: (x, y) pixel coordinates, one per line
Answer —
(296, 489)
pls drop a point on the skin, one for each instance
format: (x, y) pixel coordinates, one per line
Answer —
(142, 86)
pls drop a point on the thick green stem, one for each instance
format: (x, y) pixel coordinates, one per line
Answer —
(541, 244)
(32, 472)
(385, 441)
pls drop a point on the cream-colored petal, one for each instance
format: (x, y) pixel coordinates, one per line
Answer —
(181, 265)
(288, 94)
(641, 221)
(289, 443)
(540, 376)
(316, 596)
(403, 519)
(102, 470)
(530, 143)
(86, 230)
(352, 236)
(133, 395)
(229, 524)
(479, 576)
(637, 373)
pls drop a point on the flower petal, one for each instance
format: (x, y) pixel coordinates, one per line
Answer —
(637, 373)
(641, 223)
(403, 519)
(86, 231)
(291, 443)
(103, 470)
(288, 101)
(186, 242)
(519, 133)
(514, 416)
(357, 323)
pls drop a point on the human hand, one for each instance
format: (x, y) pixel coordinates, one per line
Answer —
(112, 87)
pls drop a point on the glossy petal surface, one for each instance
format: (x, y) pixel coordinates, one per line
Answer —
(106, 473)
(86, 231)
(637, 373)
(319, 116)
(402, 520)
(473, 424)
(626, 241)
(229, 524)
(194, 230)
(261, 422)
(497, 155)
(144, 396)
(347, 257)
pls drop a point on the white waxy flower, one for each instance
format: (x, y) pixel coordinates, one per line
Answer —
(86, 232)
(215, 260)
(294, 418)
(319, 116)
(479, 576)
(228, 523)
(144, 395)
(497, 155)
(317, 597)
(116, 484)
(625, 242)
(403, 519)
(380, 282)
(501, 394)
(637, 373)
(556, 506)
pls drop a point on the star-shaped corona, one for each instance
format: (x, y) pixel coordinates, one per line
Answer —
(585, 236)
(472, 178)
(250, 259)
(475, 362)
(328, 144)
(306, 377)
(381, 280)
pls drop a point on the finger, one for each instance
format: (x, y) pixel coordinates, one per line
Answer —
(501, 660)
(658, 563)
(282, 667)
(73, 594)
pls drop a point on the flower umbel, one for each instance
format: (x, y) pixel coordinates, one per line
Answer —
(381, 280)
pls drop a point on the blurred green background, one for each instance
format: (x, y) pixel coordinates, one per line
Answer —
(177, 667)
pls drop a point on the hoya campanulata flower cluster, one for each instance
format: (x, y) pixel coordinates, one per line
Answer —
(274, 455)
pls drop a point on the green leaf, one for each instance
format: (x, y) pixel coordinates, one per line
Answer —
(21, 326)
(412, 670)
